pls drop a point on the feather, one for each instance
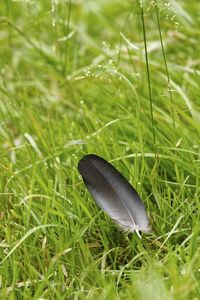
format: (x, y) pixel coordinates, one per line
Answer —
(113, 193)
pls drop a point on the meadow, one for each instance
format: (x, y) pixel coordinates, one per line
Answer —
(120, 79)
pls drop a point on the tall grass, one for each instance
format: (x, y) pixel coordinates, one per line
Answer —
(119, 79)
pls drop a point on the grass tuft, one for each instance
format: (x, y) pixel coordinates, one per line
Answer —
(121, 80)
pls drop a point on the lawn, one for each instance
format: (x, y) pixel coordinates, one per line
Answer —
(120, 79)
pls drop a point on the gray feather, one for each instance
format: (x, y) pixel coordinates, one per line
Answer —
(113, 193)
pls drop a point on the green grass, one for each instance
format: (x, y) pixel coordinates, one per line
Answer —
(121, 81)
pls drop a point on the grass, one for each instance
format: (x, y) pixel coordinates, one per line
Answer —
(121, 81)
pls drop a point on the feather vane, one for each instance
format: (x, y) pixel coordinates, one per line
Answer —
(113, 193)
